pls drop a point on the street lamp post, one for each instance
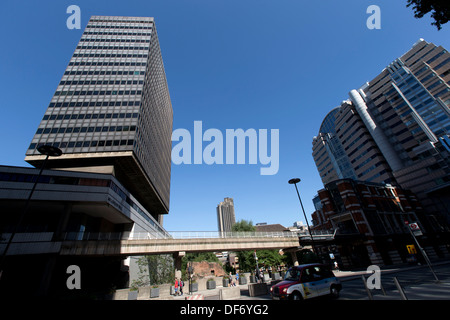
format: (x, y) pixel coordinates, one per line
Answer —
(294, 181)
(48, 151)
(257, 266)
(189, 272)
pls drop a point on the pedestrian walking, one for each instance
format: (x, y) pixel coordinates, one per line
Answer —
(336, 266)
(176, 286)
(237, 277)
(181, 285)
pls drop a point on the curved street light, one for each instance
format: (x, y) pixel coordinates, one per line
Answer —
(294, 181)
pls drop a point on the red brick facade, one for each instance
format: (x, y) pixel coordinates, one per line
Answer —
(370, 221)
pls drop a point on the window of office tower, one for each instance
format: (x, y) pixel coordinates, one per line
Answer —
(422, 101)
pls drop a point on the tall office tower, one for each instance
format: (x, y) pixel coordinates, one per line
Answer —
(344, 148)
(111, 112)
(225, 215)
(405, 112)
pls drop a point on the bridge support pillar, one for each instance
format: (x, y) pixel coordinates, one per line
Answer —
(177, 256)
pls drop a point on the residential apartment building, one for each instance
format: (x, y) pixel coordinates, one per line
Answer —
(225, 215)
(395, 130)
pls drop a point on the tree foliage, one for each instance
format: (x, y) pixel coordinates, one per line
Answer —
(154, 270)
(247, 262)
(243, 225)
(440, 10)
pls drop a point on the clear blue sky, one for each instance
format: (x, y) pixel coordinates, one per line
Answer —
(261, 64)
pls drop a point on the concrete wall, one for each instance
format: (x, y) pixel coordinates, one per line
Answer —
(232, 293)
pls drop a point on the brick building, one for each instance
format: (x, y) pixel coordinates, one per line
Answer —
(369, 219)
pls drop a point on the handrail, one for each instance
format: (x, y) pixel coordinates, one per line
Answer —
(102, 236)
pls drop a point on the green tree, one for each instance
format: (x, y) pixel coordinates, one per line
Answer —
(440, 10)
(243, 225)
(154, 270)
(247, 262)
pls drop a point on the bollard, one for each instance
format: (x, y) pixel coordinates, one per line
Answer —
(400, 289)
(382, 289)
(367, 289)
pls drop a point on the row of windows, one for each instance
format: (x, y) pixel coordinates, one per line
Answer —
(432, 74)
(430, 87)
(379, 175)
(128, 200)
(426, 45)
(120, 21)
(98, 92)
(350, 135)
(93, 82)
(119, 27)
(102, 63)
(21, 177)
(375, 83)
(110, 55)
(113, 47)
(114, 40)
(362, 145)
(105, 72)
(436, 56)
(442, 75)
(94, 104)
(445, 90)
(362, 164)
(124, 33)
(86, 129)
(86, 144)
(442, 64)
(362, 154)
(420, 59)
(354, 141)
(83, 116)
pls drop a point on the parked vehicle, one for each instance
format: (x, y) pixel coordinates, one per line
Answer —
(307, 281)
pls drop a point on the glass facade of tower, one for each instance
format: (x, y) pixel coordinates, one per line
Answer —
(395, 128)
(112, 108)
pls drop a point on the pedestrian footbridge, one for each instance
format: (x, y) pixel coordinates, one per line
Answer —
(147, 244)
(137, 244)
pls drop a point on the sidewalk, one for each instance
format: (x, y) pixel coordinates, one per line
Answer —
(206, 293)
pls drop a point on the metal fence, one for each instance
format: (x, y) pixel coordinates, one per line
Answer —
(73, 236)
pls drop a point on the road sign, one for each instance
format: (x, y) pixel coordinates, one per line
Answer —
(411, 249)
(415, 229)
